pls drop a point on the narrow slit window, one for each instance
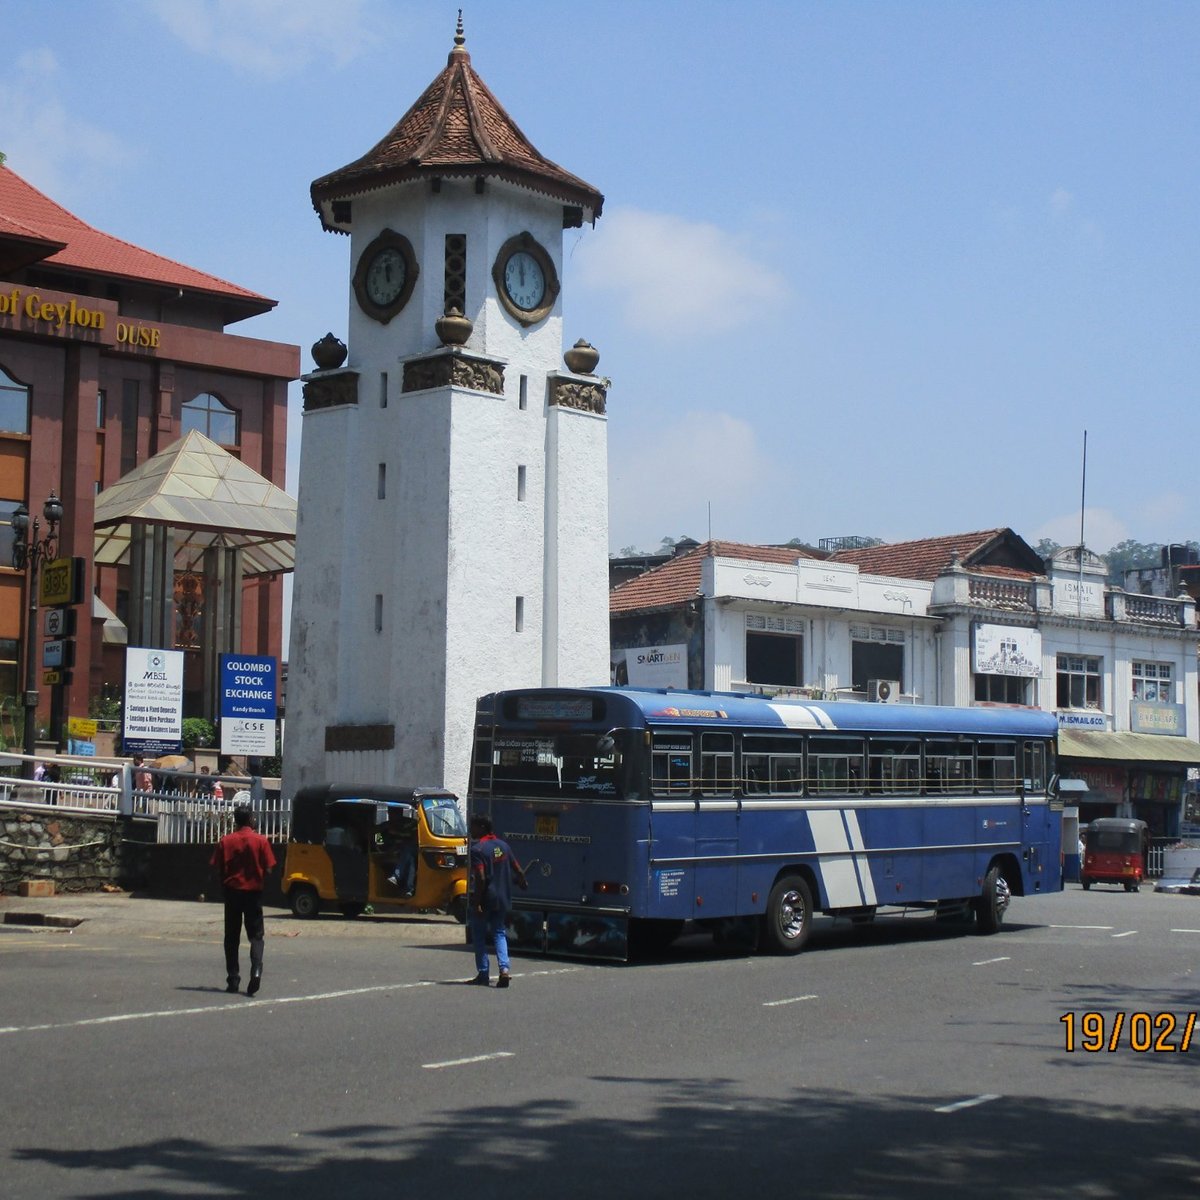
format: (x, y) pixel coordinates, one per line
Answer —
(523, 399)
(383, 389)
(520, 623)
(520, 483)
(382, 486)
(378, 613)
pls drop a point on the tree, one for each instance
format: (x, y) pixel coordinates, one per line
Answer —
(1047, 548)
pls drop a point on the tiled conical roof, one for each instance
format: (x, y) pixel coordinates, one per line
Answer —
(457, 128)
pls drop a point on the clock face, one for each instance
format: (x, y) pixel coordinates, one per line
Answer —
(524, 281)
(386, 276)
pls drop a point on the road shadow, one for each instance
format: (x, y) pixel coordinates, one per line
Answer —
(694, 1138)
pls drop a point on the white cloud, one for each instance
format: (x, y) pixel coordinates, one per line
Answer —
(55, 149)
(1102, 529)
(677, 277)
(1061, 200)
(656, 489)
(273, 38)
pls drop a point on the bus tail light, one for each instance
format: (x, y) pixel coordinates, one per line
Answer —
(604, 888)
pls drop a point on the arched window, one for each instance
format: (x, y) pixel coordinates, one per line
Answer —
(14, 405)
(212, 417)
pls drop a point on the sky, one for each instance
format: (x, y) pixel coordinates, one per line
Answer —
(864, 268)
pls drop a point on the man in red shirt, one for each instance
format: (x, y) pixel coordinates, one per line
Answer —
(243, 859)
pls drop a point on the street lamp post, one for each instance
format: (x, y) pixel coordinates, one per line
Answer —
(31, 551)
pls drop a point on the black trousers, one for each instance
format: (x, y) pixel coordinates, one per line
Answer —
(243, 908)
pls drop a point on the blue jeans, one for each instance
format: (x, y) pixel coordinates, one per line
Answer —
(483, 926)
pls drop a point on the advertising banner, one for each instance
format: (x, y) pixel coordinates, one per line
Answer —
(1008, 650)
(651, 666)
(153, 711)
(248, 699)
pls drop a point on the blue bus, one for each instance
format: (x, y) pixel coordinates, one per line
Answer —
(635, 811)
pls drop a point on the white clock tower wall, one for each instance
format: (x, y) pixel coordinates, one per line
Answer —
(454, 538)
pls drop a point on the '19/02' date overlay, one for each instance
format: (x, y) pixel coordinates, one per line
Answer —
(1142, 1032)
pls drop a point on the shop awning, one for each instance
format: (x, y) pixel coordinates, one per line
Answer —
(1128, 747)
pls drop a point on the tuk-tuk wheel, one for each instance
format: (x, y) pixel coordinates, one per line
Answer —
(353, 910)
(1085, 884)
(305, 901)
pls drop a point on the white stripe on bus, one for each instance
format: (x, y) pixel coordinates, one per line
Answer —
(839, 873)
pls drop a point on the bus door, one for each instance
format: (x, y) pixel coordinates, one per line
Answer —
(674, 765)
(718, 813)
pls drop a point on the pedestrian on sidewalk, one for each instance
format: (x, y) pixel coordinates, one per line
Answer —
(493, 868)
(243, 858)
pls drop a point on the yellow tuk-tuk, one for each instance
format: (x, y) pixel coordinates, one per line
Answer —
(393, 847)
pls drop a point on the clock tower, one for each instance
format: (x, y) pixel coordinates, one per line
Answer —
(452, 532)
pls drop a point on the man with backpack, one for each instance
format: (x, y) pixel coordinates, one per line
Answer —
(493, 869)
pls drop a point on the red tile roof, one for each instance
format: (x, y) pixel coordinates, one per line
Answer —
(678, 580)
(27, 213)
(927, 558)
(456, 128)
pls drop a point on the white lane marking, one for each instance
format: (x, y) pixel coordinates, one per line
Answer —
(463, 1062)
(793, 1000)
(1128, 933)
(1080, 926)
(949, 1108)
(983, 962)
(245, 1004)
(1185, 930)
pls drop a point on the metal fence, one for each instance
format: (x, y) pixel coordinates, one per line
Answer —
(181, 803)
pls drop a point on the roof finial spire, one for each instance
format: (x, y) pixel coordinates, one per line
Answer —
(459, 37)
(459, 53)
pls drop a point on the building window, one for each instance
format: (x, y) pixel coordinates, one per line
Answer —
(520, 623)
(523, 394)
(381, 489)
(7, 537)
(383, 389)
(14, 405)
(520, 483)
(774, 650)
(130, 403)
(378, 613)
(1078, 681)
(876, 652)
(9, 678)
(101, 409)
(1152, 682)
(208, 415)
(1001, 689)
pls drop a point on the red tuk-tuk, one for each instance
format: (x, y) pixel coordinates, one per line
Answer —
(1115, 852)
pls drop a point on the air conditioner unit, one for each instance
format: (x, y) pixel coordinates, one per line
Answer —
(883, 691)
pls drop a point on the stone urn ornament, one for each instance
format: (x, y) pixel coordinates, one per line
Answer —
(453, 329)
(329, 353)
(582, 358)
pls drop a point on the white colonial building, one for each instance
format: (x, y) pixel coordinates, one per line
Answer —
(967, 619)
(453, 508)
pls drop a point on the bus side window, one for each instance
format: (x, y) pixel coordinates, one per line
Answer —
(1035, 766)
(949, 765)
(997, 766)
(716, 764)
(756, 769)
(788, 774)
(835, 766)
(671, 765)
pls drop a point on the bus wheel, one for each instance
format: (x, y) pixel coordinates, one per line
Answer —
(789, 916)
(1085, 883)
(993, 901)
(305, 901)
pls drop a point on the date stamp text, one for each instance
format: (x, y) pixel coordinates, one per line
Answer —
(1142, 1032)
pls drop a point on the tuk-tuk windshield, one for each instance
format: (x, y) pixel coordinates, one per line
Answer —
(442, 817)
(1115, 841)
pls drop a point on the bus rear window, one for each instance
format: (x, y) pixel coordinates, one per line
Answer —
(569, 765)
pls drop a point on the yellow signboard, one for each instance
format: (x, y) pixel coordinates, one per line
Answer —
(51, 677)
(81, 727)
(57, 584)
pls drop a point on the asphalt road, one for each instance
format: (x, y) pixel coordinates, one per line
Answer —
(897, 1060)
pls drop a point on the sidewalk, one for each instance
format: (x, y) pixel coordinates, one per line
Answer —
(136, 915)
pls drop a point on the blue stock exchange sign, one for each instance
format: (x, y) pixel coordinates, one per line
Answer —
(248, 692)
